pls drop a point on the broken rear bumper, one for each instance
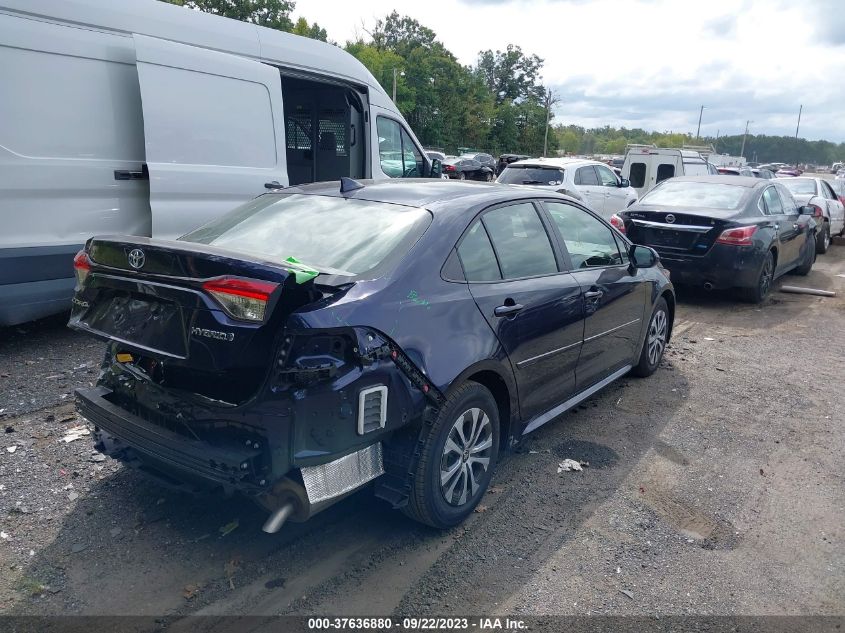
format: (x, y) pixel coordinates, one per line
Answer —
(167, 455)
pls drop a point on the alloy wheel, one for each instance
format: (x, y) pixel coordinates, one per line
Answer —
(766, 276)
(656, 337)
(466, 456)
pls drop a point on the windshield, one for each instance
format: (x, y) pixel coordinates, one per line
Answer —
(800, 186)
(337, 236)
(531, 175)
(705, 195)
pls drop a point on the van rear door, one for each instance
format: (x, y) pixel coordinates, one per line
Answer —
(213, 131)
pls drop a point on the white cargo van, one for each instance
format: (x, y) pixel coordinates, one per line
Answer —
(645, 166)
(146, 118)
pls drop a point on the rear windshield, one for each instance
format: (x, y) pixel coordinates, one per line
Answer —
(336, 236)
(800, 186)
(528, 175)
(705, 195)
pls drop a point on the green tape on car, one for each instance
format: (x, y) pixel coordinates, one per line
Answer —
(301, 272)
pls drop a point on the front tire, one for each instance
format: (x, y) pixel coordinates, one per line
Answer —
(655, 341)
(823, 239)
(458, 458)
(462, 176)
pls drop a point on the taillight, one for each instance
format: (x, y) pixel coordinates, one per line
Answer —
(817, 211)
(244, 299)
(740, 236)
(448, 168)
(617, 223)
(81, 266)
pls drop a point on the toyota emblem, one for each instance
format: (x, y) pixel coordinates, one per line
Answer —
(669, 218)
(136, 258)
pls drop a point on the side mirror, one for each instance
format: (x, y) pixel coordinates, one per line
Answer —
(643, 256)
(436, 168)
(624, 182)
(806, 210)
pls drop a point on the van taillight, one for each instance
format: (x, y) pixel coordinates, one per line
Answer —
(244, 299)
(740, 236)
(617, 223)
(81, 266)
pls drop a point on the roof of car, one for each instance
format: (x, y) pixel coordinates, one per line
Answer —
(556, 162)
(739, 181)
(430, 193)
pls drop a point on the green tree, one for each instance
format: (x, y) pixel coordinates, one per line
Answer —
(510, 74)
(274, 14)
(314, 31)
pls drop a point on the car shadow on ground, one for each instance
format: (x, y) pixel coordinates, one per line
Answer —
(130, 547)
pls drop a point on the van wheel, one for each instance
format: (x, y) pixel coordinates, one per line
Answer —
(655, 341)
(823, 239)
(458, 458)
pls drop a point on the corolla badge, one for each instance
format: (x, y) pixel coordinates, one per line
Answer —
(136, 258)
(670, 218)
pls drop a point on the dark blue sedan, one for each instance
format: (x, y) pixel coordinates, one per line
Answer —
(324, 336)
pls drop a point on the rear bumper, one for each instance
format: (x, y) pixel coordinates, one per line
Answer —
(723, 266)
(130, 438)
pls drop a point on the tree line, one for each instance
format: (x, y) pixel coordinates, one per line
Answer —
(500, 103)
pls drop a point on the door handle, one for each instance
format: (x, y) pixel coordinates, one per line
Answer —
(273, 185)
(127, 174)
(777, 226)
(593, 294)
(507, 310)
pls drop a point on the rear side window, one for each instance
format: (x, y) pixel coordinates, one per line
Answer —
(637, 175)
(772, 201)
(665, 171)
(520, 240)
(586, 176)
(590, 243)
(477, 255)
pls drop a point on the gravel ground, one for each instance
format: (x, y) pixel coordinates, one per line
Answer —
(713, 487)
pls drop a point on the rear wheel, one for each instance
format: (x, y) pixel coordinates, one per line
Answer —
(655, 340)
(823, 239)
(489, 177)
(458, 458)
(809, 258)
(462, 175)
(760, 291)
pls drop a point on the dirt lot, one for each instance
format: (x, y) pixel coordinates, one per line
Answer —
(716, 486)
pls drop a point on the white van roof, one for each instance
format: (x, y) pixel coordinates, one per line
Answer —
(687, 154)
(178, 24)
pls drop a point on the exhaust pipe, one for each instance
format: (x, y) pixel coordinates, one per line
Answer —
(708, 285)
(277, 519)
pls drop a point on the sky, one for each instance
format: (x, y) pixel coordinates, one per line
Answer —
(650, 63)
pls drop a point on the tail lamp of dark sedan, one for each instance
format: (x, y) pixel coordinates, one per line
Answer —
(318, 339)
(724, 232)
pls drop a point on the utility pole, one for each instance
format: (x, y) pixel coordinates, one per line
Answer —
(698, 131)
(742, 151)
(800, 108)
(551, 98)
(395, 73)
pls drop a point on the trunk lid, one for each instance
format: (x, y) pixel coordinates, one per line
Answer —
(151, 299)
(676, 231)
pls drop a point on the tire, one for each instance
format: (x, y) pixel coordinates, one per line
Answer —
(488, 177)
(462, 176)
(823, 239)
(655, 341)
(809, 259)
(765, 278)
(444, 505)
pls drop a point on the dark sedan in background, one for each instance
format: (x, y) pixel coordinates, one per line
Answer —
(460, 168)
(485, 159)
(724, 231)
(321, 337)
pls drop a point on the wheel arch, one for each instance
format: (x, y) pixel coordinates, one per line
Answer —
(503, 389)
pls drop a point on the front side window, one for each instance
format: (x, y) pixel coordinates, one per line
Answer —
(607, 177)
(335, 235)
(637, 175)
(586, 176)
(590, 243)
(520, 240)
(398, 155)
(477, 256)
